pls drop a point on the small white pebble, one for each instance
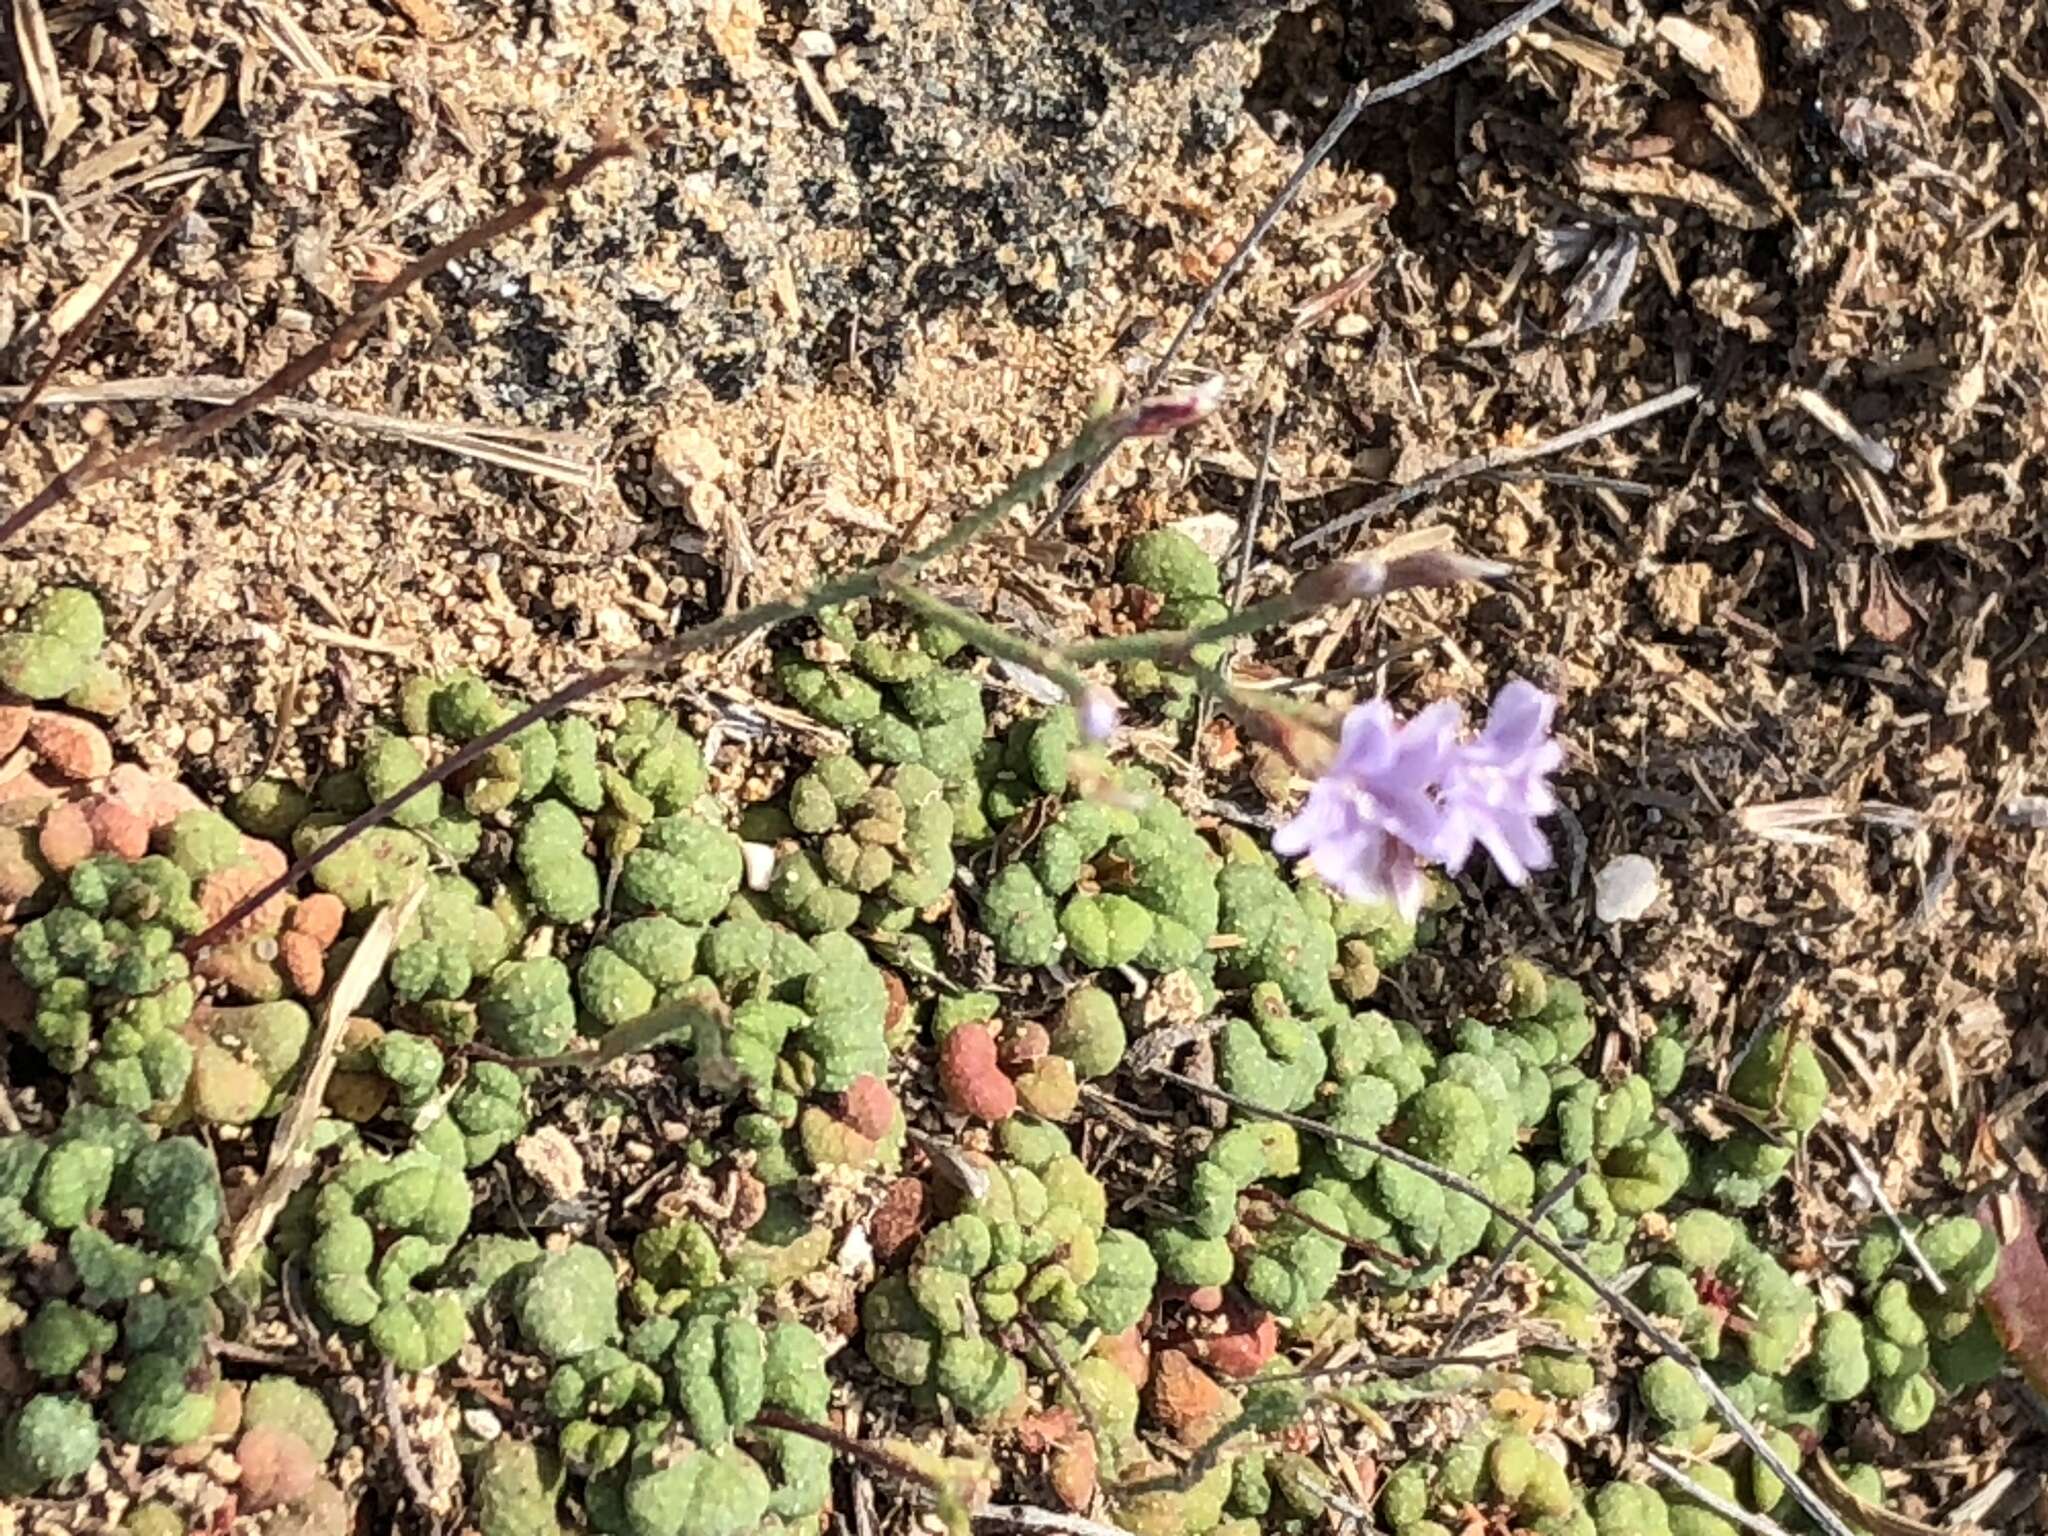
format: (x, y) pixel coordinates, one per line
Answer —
(856, 1253)
(759, 861)
(1626, 888)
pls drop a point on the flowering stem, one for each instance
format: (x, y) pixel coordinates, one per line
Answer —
(1099, 436)
(1424, 558)
(990, 639)
(1304, 597)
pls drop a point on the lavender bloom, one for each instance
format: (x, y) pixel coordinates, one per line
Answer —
(1400, 795)
(1372, 818)
(1498, 788)
(1099, 710)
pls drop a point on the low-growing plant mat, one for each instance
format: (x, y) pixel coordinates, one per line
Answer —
(874, 261)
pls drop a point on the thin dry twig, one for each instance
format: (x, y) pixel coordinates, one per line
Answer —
(1491, 1278)
(525, 449)
(1500, 458)
(1749, 1519)
(325, 353)
(1876, 1186)
(1815, 1506)
(1359, 101)
(89, 323)
(401, 1442)
(288, 1163)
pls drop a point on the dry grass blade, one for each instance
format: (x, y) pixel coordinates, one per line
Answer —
(1821, 1512)
(1796, 821)
(291, 40)
(38, 58)
(330, 350)
(1024, 1517)
(1725, 1508)
(1498, 458)
(1792, 821)
(569, 458)
(69, 343)
(288, 1164)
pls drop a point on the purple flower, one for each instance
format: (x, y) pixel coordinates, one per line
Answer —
(1498, 788)
(1099, 710)
(1400, 795)
(1373, 817)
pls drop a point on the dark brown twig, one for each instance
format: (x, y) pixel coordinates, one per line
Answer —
(323, 354)
(1030, 1325)
(69, 343)
(855, 1450)
(569, 693)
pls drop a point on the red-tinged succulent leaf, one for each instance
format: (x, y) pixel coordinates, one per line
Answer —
(2017, 1301)
(1039, 1432)
(1073, 1472)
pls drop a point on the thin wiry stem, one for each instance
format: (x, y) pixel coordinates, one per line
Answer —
(569, 693)
(1359, 101)
(1101, 433)
(1876, 1185)
(1497, 458)
(1491, 1278)
(1725, 1508)
(69, 343)
(330, 350)
(1815, 1506)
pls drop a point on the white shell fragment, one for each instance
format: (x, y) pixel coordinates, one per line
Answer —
(1626, 887)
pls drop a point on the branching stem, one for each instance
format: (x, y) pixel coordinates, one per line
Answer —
(1101, 434)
